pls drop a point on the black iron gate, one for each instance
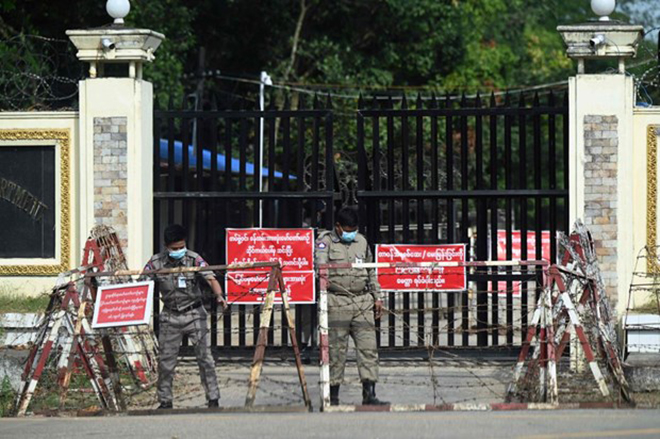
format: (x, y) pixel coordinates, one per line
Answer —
(451, 170)
(207, 170)
(454, 170)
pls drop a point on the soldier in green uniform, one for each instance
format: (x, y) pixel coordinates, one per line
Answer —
(183, 314)
(353, 304)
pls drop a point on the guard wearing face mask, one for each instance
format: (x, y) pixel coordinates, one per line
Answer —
(183, 314)
(353, 304)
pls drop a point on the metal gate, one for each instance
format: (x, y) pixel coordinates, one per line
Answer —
(207, 169)
(451, 170)
(460, 170)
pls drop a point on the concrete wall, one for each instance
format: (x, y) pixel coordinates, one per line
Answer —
(32, 279)
(646, 226)
(614, 179)
(131, 99)
(109, 174)
(595, 101)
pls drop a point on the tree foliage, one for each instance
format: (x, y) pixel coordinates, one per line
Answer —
(457, 44)
(440, 45)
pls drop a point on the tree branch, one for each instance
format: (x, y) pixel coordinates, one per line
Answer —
(296, 40)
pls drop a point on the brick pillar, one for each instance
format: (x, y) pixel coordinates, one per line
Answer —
(602, 174)
(110, 175)
(601, 148)
(116, 164)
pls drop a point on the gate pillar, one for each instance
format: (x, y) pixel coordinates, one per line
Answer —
(116, 135)
(601, 133)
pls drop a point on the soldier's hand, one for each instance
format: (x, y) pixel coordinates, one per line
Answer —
(222, 302)
(378, 309)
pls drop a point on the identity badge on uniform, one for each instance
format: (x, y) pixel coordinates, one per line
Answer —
(182, 282)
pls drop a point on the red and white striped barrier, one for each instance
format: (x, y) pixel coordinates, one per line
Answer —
(474, 407)
(324, 346)
(33, 371)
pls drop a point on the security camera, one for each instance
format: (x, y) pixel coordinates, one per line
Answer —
(107, 44)
(597, 41)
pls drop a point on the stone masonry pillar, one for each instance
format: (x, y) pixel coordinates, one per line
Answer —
(601, 145)
(601, 111)
(116, 136)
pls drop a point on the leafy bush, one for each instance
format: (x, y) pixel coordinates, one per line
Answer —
(7, 397)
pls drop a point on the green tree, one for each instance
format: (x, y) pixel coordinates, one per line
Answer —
(173, 19)
(52, 19)
(440, 45)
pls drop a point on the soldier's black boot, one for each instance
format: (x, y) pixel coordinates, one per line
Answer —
(334, 395)
(369, 394)
(165, 405)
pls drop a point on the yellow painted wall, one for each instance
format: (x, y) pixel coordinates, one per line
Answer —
(67, 120)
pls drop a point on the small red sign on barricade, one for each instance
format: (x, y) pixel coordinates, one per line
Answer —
(421, 278)
(293, 248)
(123, 305)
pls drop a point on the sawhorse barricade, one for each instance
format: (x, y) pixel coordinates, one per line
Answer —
(576, 282)
(67, 312)
(275, 285)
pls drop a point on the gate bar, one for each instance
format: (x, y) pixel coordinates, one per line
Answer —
(229, 267)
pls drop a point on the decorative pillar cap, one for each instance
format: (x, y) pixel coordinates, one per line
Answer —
(115, 44)
(601, 40)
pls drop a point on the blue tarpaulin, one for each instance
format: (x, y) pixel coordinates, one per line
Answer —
(206, 160)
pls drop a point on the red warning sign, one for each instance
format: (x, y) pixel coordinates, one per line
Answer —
(123, 305)
(421, 278)
(293, 248)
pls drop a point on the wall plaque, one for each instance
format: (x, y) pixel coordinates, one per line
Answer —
(27, 201)
(34, 202)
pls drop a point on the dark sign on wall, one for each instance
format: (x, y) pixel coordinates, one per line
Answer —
(27, 201)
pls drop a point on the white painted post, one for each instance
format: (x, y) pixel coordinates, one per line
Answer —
(324, 347)
(264, 80)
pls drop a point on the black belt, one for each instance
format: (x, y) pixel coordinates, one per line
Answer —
(185, 309)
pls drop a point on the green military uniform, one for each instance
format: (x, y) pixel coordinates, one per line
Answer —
(182, 314)
(351, 297)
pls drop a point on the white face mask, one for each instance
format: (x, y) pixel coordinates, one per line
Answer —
(348, 236)
(178, 254)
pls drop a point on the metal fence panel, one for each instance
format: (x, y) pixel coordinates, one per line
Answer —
(207, 172)
(457, 171)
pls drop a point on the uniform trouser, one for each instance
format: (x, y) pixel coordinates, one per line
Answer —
(354, 316)
(305, 325)
(173, 327)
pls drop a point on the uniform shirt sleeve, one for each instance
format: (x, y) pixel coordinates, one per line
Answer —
(200, 262)
(149, 266)
(374, 286)
(321, 250)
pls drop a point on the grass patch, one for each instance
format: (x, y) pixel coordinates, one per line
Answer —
(7, 398)
(12, 302)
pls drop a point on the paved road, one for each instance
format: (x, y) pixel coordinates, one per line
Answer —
(528, 424)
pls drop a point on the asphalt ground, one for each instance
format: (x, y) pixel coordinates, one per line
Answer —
(402, 381)
(461, 380)
(527, 424)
